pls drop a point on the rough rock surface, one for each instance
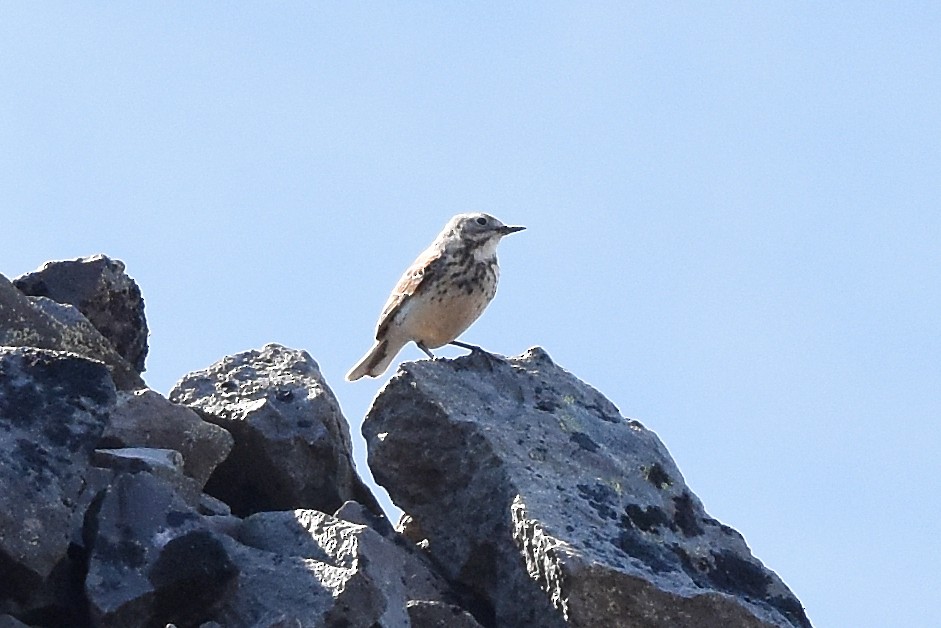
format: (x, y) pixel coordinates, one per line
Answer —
(139, 519)
(154, 561)
(44, 324)
(292, 444)
(530, 501)
(400, 573)
(534, 492)
(104, 293)
(53, 408)
(144, 418)
(426, 614)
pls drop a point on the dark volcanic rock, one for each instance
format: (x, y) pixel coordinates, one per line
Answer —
(8, 621)
(534, 492)
(53, 408)
(103, 292)
(400, 573)
(144, 418)
(273, 590)
(166, 464)
(44, 324)
(292, 444)
(152, 559)
(426, 614)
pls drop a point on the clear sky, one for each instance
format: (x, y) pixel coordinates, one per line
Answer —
(733, 212)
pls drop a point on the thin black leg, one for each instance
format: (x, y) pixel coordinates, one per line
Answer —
(422, 346)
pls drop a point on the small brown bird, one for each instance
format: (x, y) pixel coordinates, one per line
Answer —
(441, 294)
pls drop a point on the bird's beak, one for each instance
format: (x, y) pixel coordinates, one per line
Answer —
(506, 230)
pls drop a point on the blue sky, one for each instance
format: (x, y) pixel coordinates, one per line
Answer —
(733, 212)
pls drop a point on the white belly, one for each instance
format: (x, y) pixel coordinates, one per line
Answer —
(436, 317)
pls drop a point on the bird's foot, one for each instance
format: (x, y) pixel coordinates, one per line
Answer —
(470, 347)
(478, 352)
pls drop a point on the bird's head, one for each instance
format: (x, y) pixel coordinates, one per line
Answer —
(479, 228)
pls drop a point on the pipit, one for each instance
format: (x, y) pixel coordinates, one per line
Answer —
(441, 294)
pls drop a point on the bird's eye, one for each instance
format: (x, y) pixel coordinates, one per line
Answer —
(481, 221)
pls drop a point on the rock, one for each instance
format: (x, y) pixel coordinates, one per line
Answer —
(144, 418)
(104, 293)
(166, 464)
(427, 614)
(159, 462)
(44, 324)
(273, 590)
(354, 512)
(8, 621)
(535, 493)
(292, 444)
(53, 408)
(155, 561)
(152, 561)
(398, 571)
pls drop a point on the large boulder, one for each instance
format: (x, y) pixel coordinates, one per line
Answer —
(292, 444)
(45, 324)
(534, 492)
(53, 409)
(100, 289)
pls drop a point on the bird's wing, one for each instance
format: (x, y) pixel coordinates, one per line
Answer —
(424, 269)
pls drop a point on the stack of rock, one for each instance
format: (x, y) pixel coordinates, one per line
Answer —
(530, 500)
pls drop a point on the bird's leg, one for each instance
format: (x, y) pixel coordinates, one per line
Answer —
(421, 345)
(464, 345)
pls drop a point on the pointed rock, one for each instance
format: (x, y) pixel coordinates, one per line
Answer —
(44, 324)
(103, 293)
(292, 443)
(533, 491)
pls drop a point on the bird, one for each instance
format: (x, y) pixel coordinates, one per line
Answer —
(441, 294)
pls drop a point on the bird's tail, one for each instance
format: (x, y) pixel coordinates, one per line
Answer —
(376, 361)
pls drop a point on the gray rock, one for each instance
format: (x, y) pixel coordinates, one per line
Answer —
(43, 324)
(533, 491)
(144, 418)
(355, 512)
(104, 293)
(154, 561)
(398, 571)
(277, 591)
(8, 621)
(292, 444)
(209, 505)
(166, 464)
(428, 614)
(53, 408)
(159, 462)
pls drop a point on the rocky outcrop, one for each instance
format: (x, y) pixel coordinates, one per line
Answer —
(530, 501)
(100, 289)
(53, 408)
(45, 324)
(292, 444)
(155, 561)
(534, 492)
